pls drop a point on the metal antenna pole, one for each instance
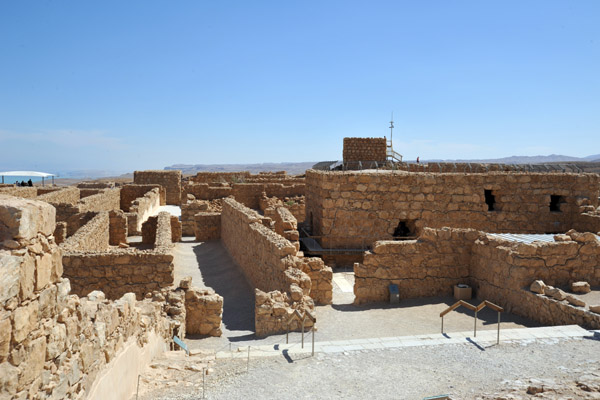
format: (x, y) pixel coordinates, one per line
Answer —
(392, 128)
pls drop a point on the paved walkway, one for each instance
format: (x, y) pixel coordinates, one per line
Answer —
(482, 340)
(173, 210)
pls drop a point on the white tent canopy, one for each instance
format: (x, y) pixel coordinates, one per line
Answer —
(35, 174)
(26, 173)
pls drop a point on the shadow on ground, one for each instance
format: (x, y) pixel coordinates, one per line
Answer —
(221, 273)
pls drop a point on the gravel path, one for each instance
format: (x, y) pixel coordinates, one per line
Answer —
(462, 371)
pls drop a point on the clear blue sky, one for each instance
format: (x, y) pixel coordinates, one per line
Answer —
(124, 85)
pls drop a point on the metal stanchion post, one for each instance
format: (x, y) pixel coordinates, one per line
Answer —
(475, 325)
(442, 325)
(248, 362)
(203, 383)
(313, 340)
(498, 338)
(137, 390)
(303, 332)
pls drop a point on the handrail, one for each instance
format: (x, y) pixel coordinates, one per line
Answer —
(302, 319)
(471, 307)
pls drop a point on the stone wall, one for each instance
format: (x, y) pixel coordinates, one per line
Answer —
(120, 271)
(129, 193)
(18, 191)
(68, 195)
(248, 194)
(365, 149)
(352, 208)
(140, 209)
(106, 200)
(188, 211)
(94, 235)
(427, 267)
(220, 177)
(502, 270)
(203, 191)
(207, 226)
(54, 344)
(204, 311)
(170, 180)
(269, 262)
(117, 227)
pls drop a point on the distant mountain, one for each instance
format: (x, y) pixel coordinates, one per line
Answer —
(552, 158)
(291, 168)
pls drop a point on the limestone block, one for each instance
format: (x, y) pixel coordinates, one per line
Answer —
(186, 282)
(96, 295)
(9, 377)
(24, 219)
(56, 341)
(9, 277)
(296, 292)
(25, 319)
(595, 309)
(555, 293)
(27, 277)
(576, 301)
(47, 302)
(5, 336)
(43, 271)
(538, 287)
(580, 287)
(34, 362)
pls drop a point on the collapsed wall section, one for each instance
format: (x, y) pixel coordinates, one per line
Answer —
(170, 180)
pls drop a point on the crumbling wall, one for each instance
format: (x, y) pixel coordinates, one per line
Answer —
(106, 200)
(220, 177)
(54, 344)
(117, 227)
(502, 271)
(365, 149)
(170, 180)
(131, 192)
(349, 209)
(94, 235)
(207, 226)
(429, 266)
(269, 262)
(203, 191)
(140, 209)
(120, 271)
(188, 211)
(68, 195)
(249, 194)
(19, 191)
(204, 311)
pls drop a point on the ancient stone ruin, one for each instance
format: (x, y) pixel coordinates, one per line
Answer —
(87, 273)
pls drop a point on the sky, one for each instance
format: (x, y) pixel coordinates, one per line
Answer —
(122, 86)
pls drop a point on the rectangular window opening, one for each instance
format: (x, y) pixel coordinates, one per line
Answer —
(555, 202)
(490, 200)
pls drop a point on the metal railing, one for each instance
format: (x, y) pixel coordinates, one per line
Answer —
(302, 317)
(471, 307)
